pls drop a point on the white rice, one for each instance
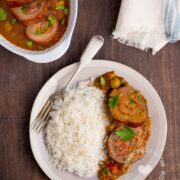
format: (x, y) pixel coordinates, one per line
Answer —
(75, 134)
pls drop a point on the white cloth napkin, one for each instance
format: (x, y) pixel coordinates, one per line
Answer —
(148, 24)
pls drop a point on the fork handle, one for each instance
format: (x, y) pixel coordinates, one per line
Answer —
(91, 50)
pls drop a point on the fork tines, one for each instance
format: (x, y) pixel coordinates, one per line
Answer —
(42, 118)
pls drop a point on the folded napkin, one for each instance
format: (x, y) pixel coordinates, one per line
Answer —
(148, 24)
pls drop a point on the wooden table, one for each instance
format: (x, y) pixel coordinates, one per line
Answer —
(20, 81)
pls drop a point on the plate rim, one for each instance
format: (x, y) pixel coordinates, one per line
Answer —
(103, 62)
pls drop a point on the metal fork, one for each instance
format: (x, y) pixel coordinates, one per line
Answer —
(39, 123)
(92, 48)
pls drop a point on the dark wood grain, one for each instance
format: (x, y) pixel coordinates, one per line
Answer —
(20, 81)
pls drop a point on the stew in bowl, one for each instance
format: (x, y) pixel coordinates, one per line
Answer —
(34, 24)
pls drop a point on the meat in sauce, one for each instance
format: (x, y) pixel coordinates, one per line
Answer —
(46, 32)
(128, 151)
(32, 12)
(129, 129)
(132, 106)
(16, 3)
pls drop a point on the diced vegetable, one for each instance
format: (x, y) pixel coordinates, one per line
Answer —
(106, 171)
(38, 32)
(3, 14)
(24, 8)
(60, 3)
(139, 97)
(102, 80)
(62, 8)
(115, 83)
(8, 26)
(63, 21)
(131, 101)
(51, 19)
(29, 44)
(66, 11)
(13, 21)
(113, 168)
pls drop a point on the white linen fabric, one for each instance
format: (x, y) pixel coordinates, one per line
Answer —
(148, 24)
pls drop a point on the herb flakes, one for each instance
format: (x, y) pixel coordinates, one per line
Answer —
(113, 101)
(3, 14)
(126, 134)
(102, 80)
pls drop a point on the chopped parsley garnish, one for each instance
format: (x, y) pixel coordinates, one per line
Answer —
(29, 44)
(126, 134)
(106, 171)
(13, 21)
(113, 101)
(38, 32)
(139, 97)
(62, 8)
(131, 101)
(3, 14)
(42, 29)
(24, 8)
(102, 80)
(63, 21)
(66, 11)
(51, 20)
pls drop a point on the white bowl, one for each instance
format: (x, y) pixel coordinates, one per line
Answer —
(53, 52)
(142, 168)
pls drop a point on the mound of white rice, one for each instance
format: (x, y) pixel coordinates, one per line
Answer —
(75, 134)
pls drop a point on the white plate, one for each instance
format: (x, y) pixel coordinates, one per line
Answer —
(141, 168)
